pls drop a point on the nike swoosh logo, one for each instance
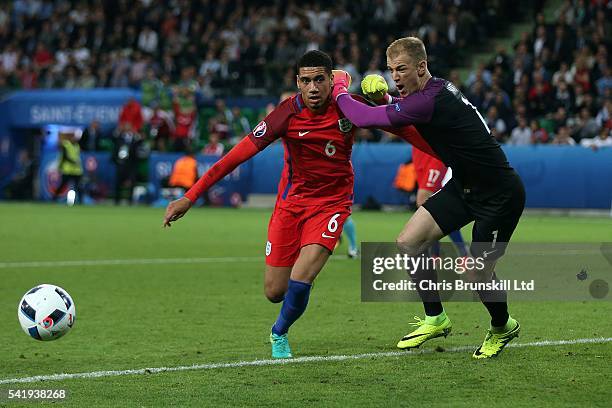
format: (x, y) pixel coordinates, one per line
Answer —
(303, 133)
(324, 235)
(413, 337)
(487, 253)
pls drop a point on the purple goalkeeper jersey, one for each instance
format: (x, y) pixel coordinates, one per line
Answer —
(451, 125)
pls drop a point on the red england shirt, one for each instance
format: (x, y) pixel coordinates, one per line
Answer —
(318, 147)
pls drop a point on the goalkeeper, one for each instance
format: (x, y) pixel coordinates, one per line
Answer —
(431, 173)
(484, 189)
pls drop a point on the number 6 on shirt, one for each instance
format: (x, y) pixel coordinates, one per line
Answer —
(332, 226)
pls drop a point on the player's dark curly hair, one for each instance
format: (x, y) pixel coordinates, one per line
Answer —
(316, 58)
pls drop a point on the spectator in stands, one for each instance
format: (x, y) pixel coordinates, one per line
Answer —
(218, 125)
(521, 135)
(86, 80)
(563, 96)
(500, 99)
(10, 58)
(603, 139)
(563, 137)
(214, 147)
(559, 119)
(538, 134)
(184, 120)
(604, 83)
(480, 74)
(239, 125)
(496, 124)
(476, 94)
(582, 74)
(165, 94)
(563, 74)
(540, 42)
(561, 48)
(539, 95)
(223, 112)
(584, 126)
(42, 57)
(603, 116)
(71, 81)
(150, 88)
(148, 40)
(161, 127)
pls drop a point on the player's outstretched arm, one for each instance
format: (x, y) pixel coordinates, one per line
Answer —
(242, 152)
(360, 114)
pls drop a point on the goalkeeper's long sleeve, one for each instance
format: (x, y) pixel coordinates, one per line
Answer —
(362, 115)
(365, 116)
(242, 152)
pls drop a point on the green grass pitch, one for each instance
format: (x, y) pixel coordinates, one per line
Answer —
(168, 315)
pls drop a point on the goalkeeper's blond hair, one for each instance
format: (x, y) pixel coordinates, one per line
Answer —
(411, 46)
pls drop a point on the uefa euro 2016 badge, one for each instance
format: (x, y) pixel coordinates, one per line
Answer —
(345, 125)
(260, 129)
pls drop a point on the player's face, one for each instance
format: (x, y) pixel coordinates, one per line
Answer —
(315, 85)
(405, 72)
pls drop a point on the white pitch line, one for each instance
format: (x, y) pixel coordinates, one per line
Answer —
(141, 261)
(299, 360)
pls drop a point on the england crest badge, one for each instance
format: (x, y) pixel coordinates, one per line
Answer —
(345, 125)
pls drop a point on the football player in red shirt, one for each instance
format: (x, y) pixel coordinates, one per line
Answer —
(315, 192)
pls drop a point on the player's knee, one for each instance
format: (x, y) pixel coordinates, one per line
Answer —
(408, 245)
(274, 294)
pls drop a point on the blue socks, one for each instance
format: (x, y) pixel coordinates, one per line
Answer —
(457, 239)
(294, 305)
(349, 230)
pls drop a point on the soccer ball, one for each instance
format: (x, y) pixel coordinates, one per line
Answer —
(46, 312)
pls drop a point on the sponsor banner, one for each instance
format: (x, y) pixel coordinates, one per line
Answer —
(35, 109)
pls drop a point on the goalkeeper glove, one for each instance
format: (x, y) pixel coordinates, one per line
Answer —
(342, 81)
(375, 87)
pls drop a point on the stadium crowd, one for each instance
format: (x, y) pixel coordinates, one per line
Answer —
(553, 87)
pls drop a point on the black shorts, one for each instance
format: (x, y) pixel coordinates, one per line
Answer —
(495, 213)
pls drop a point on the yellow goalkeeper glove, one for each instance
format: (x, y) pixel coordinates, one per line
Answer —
(374, 87)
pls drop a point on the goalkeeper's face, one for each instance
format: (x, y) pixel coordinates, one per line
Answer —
(405, 72)
(315, 85)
